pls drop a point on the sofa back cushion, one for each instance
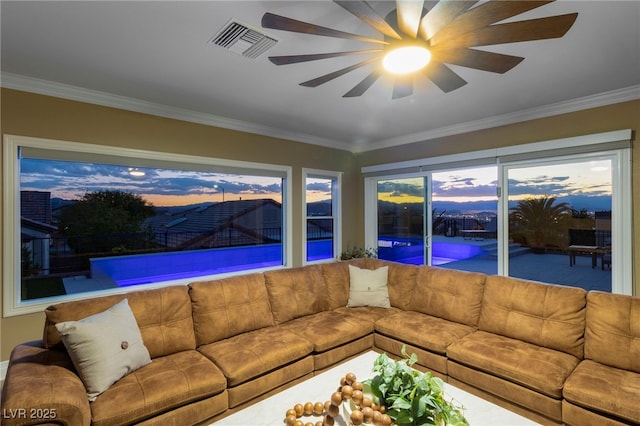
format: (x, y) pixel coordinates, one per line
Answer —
(163, 316)
(296, 292)
(449, 294)
(547, 315)
(612, 335)
(401, 280)
(336, 278)
(226, 307)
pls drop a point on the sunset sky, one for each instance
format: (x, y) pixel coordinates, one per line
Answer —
(576, 182)
(161, 187)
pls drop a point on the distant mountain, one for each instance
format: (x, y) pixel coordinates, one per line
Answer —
(488, 208)
(451, 207)
(319, 208)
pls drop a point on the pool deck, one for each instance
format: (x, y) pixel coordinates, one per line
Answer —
(549, 268)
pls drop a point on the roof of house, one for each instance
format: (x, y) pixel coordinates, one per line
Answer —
(209, 217)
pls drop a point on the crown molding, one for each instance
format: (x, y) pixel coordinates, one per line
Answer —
(593, 101)
(75, 93)
(65, 91)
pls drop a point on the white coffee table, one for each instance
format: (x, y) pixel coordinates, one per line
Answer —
(270, 412)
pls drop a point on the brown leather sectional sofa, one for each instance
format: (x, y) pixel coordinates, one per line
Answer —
(557, 354)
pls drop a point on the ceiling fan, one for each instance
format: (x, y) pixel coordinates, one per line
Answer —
(442, 35)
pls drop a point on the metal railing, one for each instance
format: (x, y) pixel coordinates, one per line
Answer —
(70, 255)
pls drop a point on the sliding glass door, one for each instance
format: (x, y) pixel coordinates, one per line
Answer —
(401, 207)
(554, 211)
(447, 219)
(464, 219)
(559, 217)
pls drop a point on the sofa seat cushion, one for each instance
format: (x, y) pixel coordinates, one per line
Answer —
(541, 369)
(167, 383)
(606, 389)
(369, 313)
(254, 353)
(326, 330)
(425, 331)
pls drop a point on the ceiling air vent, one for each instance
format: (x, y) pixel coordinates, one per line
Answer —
(242, 39)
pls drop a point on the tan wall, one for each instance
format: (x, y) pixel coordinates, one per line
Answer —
(597, 120)
(34, 115)
(46, 117)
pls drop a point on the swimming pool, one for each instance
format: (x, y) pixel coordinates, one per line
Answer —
(158, 267)
(412, 251)
(140, 269)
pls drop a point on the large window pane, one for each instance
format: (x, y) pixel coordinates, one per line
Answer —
(401, 216)
(87, 226)
(561, 214)
(320, 233)
(464, 219)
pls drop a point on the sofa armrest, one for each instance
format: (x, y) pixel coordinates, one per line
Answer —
(42, 387)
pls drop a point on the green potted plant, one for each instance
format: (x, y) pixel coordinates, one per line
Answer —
(358, 252)
(410, 396)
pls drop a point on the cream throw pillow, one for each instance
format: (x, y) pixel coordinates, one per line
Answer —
(368, 287)
(104, 347)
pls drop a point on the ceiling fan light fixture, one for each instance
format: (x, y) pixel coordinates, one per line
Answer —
(406, 59)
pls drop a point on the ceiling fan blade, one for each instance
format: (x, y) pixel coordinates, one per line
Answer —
(294, 59)
(485, 14)
(441, 15)
(443, 77)
(364, 85)
(402, 87)
(365, 13)
(409, 16)
(277, 22)
(477, 59)
(513, 32)
(328, 77)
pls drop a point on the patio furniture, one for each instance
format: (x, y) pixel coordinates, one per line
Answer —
(490, 231)
(582, 241)
(579, 249)
(477, 234)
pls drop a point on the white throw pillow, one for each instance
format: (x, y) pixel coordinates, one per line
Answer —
(368, 287)
(104, 347)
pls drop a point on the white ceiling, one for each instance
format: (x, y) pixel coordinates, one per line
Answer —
(154, 56)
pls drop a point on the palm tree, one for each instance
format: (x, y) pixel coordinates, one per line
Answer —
(541, 220)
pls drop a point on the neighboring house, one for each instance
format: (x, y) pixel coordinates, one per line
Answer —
(36, 230)
(229, 223)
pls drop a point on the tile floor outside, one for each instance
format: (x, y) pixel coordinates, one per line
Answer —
(547, 267)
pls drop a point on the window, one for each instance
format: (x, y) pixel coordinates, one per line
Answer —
(401, 219)
(91, 218)
(579, 238)
(562, 208)
(322, 206)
